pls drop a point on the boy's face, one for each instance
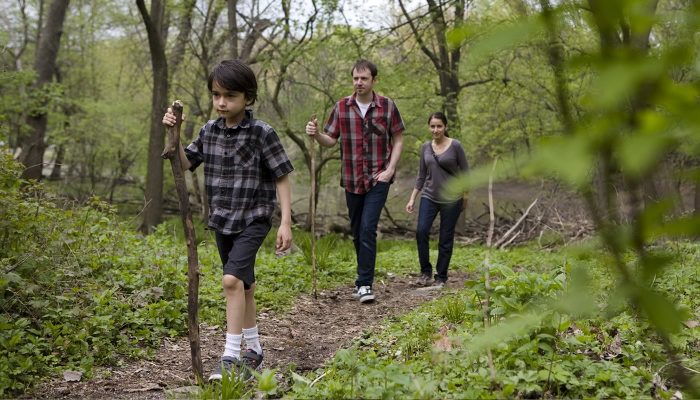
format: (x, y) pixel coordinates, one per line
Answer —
(362, 81)
(229, 104)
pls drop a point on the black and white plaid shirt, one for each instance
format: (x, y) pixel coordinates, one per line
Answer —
(241, 167)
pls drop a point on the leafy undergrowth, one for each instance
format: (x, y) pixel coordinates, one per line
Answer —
(79, 288)
(538, 346)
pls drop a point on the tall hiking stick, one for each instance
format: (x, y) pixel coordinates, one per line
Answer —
(312, 211)
(171, 152)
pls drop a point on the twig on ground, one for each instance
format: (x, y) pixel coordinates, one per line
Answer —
(520, 220)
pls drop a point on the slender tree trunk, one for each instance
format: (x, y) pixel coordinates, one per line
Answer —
(153, 210)
(232, 28)
(696, 202)
(56, 170)
(33, 146)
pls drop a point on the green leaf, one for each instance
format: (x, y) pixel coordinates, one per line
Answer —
(479, 177)
(617, 81)
(566, 157)
(677, 227)
(660, 311)
(299, 378)
(639, 154)
(500, 38)
(506, 330)
(654, 262)
(578, 299)
(267, 382)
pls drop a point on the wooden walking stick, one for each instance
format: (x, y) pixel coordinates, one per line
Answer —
(171, 152)
(312, 212)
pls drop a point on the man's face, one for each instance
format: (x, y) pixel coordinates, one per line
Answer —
(362, 81)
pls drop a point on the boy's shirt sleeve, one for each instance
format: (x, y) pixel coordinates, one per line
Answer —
(195, 151)
(274, 157)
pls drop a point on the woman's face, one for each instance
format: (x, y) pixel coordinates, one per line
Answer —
(437, 128)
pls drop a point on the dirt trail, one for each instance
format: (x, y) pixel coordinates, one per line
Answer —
(308, 335)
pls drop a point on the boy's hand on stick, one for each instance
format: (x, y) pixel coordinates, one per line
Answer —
(169, 119)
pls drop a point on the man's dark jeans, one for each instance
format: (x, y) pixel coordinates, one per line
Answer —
(364, 211)
(449, 213)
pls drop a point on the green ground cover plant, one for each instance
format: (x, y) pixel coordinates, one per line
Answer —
(438, 351)
(79, 288)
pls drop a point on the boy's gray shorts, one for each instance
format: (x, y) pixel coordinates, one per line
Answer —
(238, 250)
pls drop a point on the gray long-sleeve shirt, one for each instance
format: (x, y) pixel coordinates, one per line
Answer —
(432, 177)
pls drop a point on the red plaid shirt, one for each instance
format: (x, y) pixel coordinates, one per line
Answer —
(365, 143)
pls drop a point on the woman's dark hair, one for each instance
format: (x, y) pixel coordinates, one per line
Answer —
(439, 115)
(236, 76)
(364, 64)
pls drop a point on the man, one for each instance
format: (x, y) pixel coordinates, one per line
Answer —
(370, 130)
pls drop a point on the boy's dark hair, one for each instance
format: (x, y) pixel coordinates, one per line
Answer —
(236, 76)
(441, 116)
(364, 64)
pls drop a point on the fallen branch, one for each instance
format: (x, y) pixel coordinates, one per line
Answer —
(520, 220)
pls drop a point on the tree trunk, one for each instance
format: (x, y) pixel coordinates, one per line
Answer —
(33, 146)
(153, 208)
(58, 162)
(696, 202)
(232, 28)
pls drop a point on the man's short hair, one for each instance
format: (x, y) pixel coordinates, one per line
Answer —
(364, 64)
(236, 76)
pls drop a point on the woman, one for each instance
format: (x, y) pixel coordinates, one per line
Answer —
(440, 159)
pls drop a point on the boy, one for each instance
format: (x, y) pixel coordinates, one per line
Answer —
(245, 168)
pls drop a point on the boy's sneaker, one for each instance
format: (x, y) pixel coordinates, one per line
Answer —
(365, 294)
(440, 284)
(251, 361)
(225, 365)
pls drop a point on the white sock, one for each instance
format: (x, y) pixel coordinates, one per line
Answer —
(233, 346)
(252, 339)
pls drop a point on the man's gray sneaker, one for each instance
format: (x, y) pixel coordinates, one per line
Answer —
(365, 294)
(423, 280)
(225, 365)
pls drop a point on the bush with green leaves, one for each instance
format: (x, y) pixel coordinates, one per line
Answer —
(77, 287)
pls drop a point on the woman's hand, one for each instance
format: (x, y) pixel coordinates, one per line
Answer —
(409, 207)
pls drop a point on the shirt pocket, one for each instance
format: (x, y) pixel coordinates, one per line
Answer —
(245, 153)
(378, 126)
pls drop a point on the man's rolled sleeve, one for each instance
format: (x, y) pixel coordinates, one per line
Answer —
(332, 126)
(397, 125)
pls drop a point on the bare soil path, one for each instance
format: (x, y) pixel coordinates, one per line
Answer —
(305, 337)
